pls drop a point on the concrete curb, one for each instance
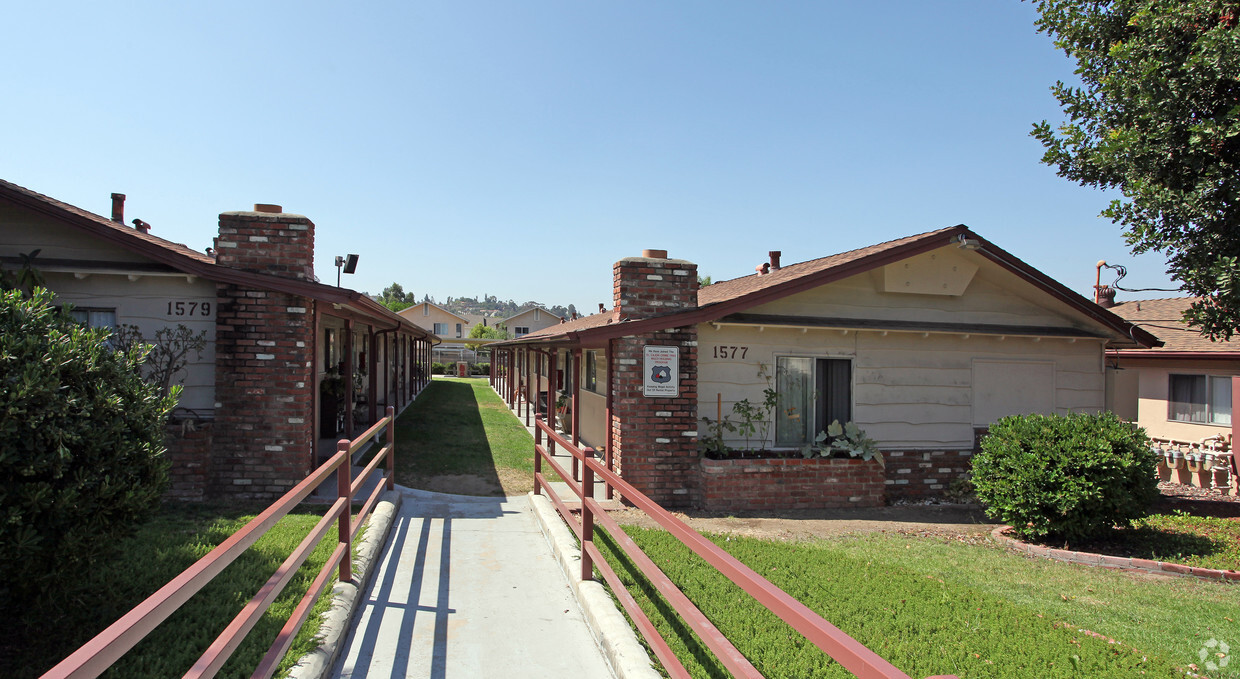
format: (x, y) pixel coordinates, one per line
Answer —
(346, 597)
(1116, 562)
(628, 658)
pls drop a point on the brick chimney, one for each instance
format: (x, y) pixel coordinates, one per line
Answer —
(118, 208)
(653, 284)
(267, 240)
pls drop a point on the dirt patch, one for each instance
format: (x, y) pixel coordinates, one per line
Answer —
(962, 522)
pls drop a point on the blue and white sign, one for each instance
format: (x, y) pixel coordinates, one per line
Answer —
(661, 372)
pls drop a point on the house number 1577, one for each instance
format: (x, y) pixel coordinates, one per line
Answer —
(730, 352)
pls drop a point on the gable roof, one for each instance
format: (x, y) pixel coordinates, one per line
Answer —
(726, 297)
(529, 309)
(186, 260)
(1165, 318)
(409, 311)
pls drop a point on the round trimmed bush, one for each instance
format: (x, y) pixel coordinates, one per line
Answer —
(81, 444)
(1069, 478)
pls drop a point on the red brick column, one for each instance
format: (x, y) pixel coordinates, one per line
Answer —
(654, 439)
(265, 389)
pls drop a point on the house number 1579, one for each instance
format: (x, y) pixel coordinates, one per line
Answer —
(189, 308)
(730, 352)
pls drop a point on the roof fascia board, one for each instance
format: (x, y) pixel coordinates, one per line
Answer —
(867, 324)
(1064, 294)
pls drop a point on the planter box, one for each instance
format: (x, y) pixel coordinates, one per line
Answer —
(777, 484)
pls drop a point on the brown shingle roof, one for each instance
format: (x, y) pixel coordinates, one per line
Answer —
(724, 291)
(720, 299)
(120, 229)
(183, 258)
(1165, 319)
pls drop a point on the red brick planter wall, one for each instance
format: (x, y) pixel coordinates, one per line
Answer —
(921, 474)
(189, 458)
(818, 483)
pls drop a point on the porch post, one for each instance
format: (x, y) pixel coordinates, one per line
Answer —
(373, 397)
(348, 377)
(552, 385)
(576, 419)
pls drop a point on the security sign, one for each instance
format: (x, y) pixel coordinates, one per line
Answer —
(661, 370)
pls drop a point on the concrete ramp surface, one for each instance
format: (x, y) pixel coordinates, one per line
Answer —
(468, 587)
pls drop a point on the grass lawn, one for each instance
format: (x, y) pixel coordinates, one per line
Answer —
(460, 437)
(177, 537)
(935, 606)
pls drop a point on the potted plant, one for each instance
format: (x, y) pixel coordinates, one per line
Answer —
(847, 438)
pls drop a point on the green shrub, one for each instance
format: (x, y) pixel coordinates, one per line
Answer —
(439, 369)
(481, 369)
(81, 444)
(1073, 477)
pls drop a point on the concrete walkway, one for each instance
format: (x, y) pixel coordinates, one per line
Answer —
(468, 587)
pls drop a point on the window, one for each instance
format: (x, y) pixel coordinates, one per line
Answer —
(1199, 398)
(520, 330)
(592, 371)
(94, 318)
(458, 329)
(812, 393)
(441, 329)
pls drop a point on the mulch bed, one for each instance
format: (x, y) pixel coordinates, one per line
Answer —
(1196, 501)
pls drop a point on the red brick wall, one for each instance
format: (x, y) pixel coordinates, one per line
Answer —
(654, 440)
(757, 485)
(645, 287)
(919, 475)
(279, 244)
(189, 458)
(264, 381)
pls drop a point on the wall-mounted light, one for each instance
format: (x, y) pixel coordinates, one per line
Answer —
(348, 263)
(968, 243)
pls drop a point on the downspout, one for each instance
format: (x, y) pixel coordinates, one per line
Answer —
(607, 445)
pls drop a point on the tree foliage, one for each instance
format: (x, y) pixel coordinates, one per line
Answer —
(81, 443)
(1157, 116)
(480, 331)
(395, 298)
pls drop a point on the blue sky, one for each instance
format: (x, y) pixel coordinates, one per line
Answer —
(520, 148)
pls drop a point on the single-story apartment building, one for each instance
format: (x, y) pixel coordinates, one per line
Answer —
(923, 342)
(286, 359)
(1182, 393)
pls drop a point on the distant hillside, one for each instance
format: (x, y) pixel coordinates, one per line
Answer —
(492, 307)
(395, 298)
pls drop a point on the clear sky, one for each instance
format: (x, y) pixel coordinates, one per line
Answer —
(519, 148)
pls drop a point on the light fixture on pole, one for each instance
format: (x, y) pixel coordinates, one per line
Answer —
(349, 264)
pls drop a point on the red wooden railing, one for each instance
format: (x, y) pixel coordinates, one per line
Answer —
(105, 649)
(845, 650)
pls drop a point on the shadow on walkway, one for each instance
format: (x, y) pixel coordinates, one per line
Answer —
(467, 586)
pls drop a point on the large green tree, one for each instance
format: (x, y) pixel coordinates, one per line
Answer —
(1157, 116)
(395, 298)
